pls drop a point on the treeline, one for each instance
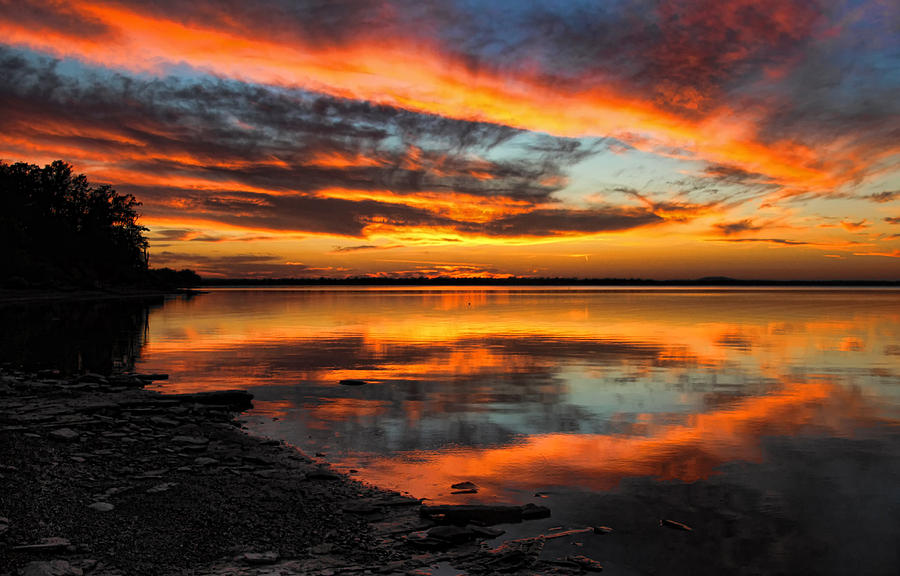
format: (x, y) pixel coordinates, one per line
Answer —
(57, 230)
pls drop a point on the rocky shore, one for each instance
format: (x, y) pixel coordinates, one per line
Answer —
(101, 476)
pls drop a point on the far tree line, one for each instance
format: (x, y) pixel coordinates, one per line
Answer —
(57, 230)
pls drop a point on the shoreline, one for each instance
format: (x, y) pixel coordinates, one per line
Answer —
(80, 294)
(101, 476)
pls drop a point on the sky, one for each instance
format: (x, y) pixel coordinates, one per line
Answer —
(626, 138)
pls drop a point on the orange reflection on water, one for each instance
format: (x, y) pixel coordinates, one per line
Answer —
(527, 390)
(685, 452)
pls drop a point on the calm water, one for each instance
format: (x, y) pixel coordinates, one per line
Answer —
(768, 420)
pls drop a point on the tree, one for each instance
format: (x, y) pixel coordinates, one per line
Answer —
(58, 229)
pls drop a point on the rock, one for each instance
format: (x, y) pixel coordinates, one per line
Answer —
(352, 382)
(486, 532)
(233, 399)
(483, 514)
(45, 545)
(152, 377)
(162, 421)
(585, 563)
(451, 534)
(322, 474)
(101, 506)
(505, 559)
(464, 486)
(191, 440)
(65, 434)
(260, 558)
(360, 508)
(533, 512)
(400, 501)
(52, 568)
(92, 378)
(674, 525)
(161, 487)
(322, 549)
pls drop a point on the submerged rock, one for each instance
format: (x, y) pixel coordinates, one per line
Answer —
(484, 514)
(352, 382)
(152, 377)
(234, 399)
(322, 475)
(451, 534)
(675, 525)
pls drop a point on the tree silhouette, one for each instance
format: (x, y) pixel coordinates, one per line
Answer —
(56, 229)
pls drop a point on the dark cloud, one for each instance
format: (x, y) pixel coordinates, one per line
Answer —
(562, 222)
(739, 227)
(269, 138)
(892, 219)
(358, 248)
(883, 197)
(241, 265)
(768, 240)
(55, 17)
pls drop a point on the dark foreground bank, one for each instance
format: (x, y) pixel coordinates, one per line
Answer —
(99, 476)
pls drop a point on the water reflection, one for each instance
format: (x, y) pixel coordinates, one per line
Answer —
(521, 390)
(75, 335)
(779, 408)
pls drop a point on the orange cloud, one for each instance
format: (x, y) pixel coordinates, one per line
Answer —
(412, 74)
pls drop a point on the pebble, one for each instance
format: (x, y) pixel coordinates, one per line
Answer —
(191, 440)
(65, 434)
(260, 558)
(101, 506)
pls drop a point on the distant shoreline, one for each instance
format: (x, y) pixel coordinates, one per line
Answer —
(586, 282)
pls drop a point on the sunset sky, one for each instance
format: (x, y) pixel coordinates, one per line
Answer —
(656, 139)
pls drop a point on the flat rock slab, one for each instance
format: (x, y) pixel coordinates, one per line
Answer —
(51, 568)
(45, 545)
(260, 558)
(484, 514)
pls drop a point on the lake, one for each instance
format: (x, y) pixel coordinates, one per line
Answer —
(767, 420)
